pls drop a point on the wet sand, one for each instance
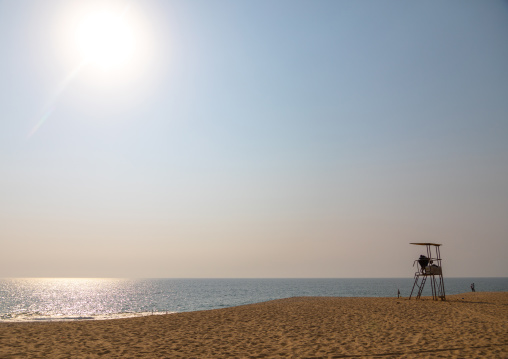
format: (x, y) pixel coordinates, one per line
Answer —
(470, 325)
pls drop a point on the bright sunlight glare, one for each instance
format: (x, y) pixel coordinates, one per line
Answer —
(106, 40)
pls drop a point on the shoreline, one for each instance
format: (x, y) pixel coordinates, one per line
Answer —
(466, 325)
(120, 316)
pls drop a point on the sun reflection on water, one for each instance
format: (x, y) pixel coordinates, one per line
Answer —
(71, 298)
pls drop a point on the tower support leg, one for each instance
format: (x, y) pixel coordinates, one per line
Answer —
(422, 285)
(415, 283)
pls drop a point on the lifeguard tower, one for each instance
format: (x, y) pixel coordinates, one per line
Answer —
(429, 266)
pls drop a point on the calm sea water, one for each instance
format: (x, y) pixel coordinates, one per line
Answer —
(79, 299)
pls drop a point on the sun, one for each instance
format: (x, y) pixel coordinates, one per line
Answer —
(105, 39)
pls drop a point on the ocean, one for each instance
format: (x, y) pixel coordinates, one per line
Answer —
(88, 299)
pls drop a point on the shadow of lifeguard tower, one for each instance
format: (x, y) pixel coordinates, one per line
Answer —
(429, 267)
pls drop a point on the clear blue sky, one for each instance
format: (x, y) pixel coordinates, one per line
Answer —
(255, 139)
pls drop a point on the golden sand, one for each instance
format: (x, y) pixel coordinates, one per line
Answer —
(471, 325)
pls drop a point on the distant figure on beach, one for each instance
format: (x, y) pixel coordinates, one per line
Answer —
(472, 287)
(398, 293)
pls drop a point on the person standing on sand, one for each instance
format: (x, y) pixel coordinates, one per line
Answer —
(472, 287)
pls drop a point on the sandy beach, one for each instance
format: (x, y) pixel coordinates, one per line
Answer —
(470, 325)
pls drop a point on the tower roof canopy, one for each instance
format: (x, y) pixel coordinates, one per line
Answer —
(427, 244)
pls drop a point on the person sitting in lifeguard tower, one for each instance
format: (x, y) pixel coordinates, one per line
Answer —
(424, 262)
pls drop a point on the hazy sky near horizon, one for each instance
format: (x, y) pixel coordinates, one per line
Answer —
(255, 139)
